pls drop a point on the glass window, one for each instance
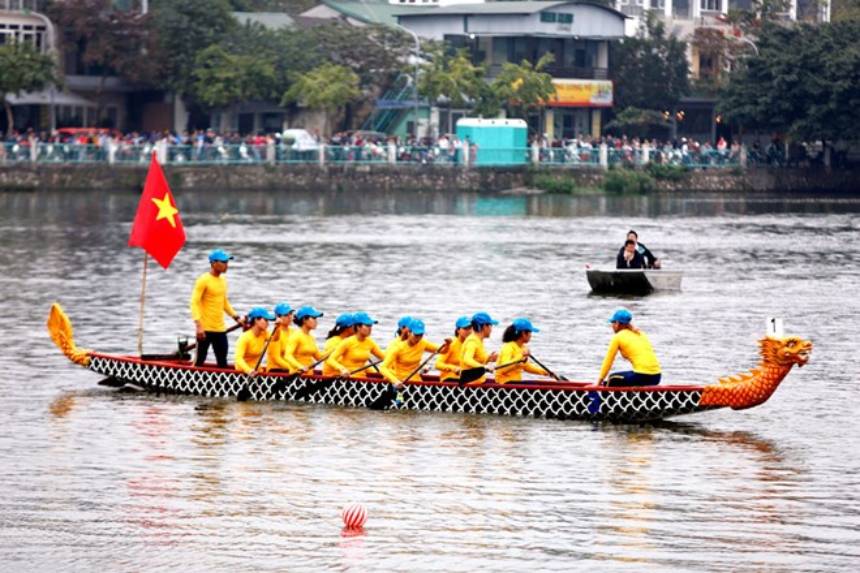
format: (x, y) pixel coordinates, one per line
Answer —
(548, 16)
(565, 18)
(711, 5)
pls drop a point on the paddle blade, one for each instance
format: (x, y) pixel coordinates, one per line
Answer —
(384, 401)
(471, 374)
(244, 394)
(60, 329)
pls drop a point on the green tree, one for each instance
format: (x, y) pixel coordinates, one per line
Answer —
(804, 82)
(452, 76)
(222, 78)
(23, 69)
(524, 87)
(845, 10)
(326, 88)
(184, 29)
(651, 70)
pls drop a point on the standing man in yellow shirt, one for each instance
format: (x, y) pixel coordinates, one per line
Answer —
(635, 347)
(208, 305)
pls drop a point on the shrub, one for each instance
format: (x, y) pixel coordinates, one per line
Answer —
(662, 172)
(626, 181)
(558, 184)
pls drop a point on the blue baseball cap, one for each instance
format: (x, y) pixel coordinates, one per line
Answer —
(260, 312)
(416, 326)
(404, 321)
(463, 322)
(345, 320)
(621, 316)
(524, 325)
(363, 318)
(482, 318)
(283, 309)
(306, 311)
(219, 256)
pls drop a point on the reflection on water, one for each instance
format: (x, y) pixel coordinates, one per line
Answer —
(171, 482)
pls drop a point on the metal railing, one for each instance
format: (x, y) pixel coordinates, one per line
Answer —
(570, 156)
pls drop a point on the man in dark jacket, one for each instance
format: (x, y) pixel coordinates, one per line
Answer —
(629, 257)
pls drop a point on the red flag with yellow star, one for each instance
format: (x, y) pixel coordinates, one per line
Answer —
(157, 228)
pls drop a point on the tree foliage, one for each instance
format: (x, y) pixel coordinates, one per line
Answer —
(23, 69)
(327, 88)
(452, 76)
(651, 70)
(222, 78)
(524, 86)
(804, 82)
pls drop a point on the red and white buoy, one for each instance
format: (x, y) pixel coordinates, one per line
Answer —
(354, 516)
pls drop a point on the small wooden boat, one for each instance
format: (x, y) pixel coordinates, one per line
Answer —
(633, 281)
(560, 400)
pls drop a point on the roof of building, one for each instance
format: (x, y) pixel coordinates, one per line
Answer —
(501, 8)
(367, 11)
(271, 20)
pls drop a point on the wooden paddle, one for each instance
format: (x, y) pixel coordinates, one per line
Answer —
(245, 393)
(191, 347)
(281, 384)
(384, 401)
(550, 372)
(473, 374)
(179, 355)
(315, 387)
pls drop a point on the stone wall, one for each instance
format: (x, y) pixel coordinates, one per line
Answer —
(361, 178)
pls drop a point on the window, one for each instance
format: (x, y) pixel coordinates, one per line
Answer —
(565, 18)
(711, 5)
(548, 16)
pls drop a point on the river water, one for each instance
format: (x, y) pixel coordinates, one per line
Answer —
(95, 479)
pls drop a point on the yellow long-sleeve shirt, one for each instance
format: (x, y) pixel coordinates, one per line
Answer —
(448, 363)
(401, 360)
(474, 355)
(248, 350)
(511, 352)
(328, 349)
(277, 349)
(352, 353)
(301, 351)
(209, 302)
(635, 347)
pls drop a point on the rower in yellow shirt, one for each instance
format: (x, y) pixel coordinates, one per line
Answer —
(400, 335)
(208, 305)
(515, 352)
(252, 343)
(302, 350)
(344, 327)
(474, 355)
(277, 347)
(402, 361)
(354, 352)
(448, 363)
(635, 347)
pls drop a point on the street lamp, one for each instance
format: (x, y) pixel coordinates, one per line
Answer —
(414, 79)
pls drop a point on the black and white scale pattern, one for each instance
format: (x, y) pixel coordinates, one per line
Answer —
(565, 404)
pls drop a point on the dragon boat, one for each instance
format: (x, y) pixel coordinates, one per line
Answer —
(565, 400)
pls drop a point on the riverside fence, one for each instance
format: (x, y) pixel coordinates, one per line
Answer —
(572, 157)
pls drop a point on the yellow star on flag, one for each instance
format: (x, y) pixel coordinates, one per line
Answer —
(166, 210)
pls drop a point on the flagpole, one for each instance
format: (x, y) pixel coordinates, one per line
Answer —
(142, 299)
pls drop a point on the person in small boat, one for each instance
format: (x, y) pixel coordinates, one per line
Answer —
(474, 355)
(404, 358)
(275, 360)
(344, 327)
(302, 351)
(252, 343)
(515, 351)
(629, 257)
(634, 346)
(448, 363)
(651, 262)
(209, 303)
(354, 352)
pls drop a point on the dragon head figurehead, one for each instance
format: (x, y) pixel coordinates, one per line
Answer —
(60, 329)
(778, 357)
(785, 352)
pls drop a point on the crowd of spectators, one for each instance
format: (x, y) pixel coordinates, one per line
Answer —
(298, 145)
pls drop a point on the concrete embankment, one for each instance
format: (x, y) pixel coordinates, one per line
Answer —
(362, 178)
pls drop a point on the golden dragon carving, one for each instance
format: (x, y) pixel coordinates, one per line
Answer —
(741, 391)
